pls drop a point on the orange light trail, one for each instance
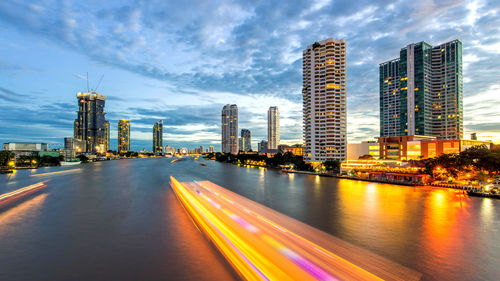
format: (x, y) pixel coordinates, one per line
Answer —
(56, 173)
(262, 244)
(10, 197)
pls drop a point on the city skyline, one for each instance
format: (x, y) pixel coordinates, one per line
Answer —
(56, 62)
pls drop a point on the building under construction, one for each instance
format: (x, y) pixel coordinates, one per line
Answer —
(91, 125)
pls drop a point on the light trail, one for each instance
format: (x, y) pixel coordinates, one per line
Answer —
(56, 173)
(262, 244)
(10, 197)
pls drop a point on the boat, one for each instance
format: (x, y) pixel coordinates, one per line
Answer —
(483, 194)
(70, 163)
(203, 163)
(173, 161)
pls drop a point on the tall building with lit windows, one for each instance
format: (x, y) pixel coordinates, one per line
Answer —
(273, 127)
(421, 92)
(324, 100)
(90, 123)
(106, 133)
(158, 137)
(246, 140)
(123, 136)
(230, 129)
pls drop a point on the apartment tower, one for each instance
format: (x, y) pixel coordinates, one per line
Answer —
(324, 100)
(246, 140)
(273, 127)
(123, 136)
(158, 137)
(90, 123)
(421, 92)
(230, 129)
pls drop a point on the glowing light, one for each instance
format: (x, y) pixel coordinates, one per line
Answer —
(260, 248)
(9, 197)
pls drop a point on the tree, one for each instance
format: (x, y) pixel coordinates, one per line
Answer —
(332, 165)
(5, 157)
(83, 158)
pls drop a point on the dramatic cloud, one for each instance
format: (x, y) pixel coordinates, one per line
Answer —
(181, 61)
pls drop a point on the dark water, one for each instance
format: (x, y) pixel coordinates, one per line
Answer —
(119, 220)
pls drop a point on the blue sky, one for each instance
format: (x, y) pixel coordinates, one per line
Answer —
(181, 61)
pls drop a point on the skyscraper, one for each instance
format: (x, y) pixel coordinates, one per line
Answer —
(90, 124)
(230, 129)
(123, 136)
(106, 133)
(246, 139)
(324, 100)
(262, 146)
(273, 127)
(211, 149)
(158, 137)
(421, 92)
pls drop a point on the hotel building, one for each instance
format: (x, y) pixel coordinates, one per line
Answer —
(230, 129)
(123, 136)
(324, 100)
(421, 92)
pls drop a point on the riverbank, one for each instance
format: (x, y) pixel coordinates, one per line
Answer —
(354, 178)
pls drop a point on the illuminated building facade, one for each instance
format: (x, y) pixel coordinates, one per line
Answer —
(421, 92)
(211, 149)
(246, 140)
(158, 137)
(296, 149)
(90, 124)
(273, 127)
(230, 129)
(324, 101)
(405, 148)
(123, 136)
(363, 150)
(106, 133)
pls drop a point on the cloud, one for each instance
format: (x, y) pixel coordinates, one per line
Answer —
(249, 53)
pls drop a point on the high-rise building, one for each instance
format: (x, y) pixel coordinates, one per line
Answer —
(90, 124)
(123, 136)
(421, 92)
(324, 100)
(273, 127)
(158, 137)
(230, 129)
(246, 140)
(211, 149)
(106, 133)
(262, 146)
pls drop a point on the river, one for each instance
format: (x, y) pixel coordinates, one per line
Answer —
(119, 220)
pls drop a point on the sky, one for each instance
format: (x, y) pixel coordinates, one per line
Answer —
(182, 61)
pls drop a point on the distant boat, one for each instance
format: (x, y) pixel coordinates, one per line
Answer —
(173, 161)
(203, 163)
(70, 163)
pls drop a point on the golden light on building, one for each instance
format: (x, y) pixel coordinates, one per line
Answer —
(123, 136)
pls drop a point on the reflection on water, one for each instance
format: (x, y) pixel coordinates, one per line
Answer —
(20, 211)
(119, 220)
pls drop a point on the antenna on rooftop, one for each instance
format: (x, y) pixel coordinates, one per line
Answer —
(100, 80)
(88, 91)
